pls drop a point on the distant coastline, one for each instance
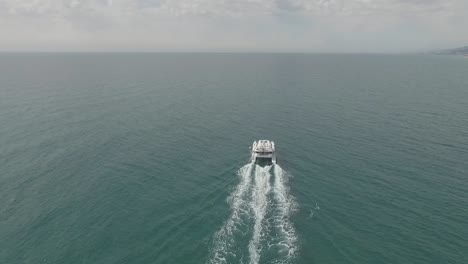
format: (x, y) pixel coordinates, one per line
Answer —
(462, 51)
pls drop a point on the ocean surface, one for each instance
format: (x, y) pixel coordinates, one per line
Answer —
(143, 158)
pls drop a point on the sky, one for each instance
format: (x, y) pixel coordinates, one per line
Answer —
(318, 26)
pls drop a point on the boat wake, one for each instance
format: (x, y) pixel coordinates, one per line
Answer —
(259, 225)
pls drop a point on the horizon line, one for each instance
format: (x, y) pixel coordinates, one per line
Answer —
(214, 52)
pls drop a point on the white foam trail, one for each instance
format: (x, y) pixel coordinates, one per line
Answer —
(259, 205)
(224, 240)
(285, 205)
(252, 201)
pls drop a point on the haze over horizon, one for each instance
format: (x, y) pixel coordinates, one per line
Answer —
(235, 26)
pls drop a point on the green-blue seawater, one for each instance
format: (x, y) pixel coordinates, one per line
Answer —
(143, 158)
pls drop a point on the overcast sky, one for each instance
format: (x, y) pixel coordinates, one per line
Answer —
(233, 25)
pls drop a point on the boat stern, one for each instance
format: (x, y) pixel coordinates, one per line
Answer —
(263, 151)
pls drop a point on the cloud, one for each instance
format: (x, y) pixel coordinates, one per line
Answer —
(220, 7)
(284, 25)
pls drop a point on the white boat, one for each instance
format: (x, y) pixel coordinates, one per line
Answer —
(263, 151)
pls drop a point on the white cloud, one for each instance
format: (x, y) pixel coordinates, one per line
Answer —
(292, 25)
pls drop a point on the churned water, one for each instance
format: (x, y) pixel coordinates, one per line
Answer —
(143, 158)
